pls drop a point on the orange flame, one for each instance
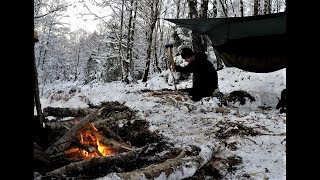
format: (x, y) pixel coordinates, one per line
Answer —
(92, 144)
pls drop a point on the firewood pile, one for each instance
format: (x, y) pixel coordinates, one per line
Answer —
(108, 140)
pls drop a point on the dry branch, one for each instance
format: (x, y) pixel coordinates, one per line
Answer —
(64, 142)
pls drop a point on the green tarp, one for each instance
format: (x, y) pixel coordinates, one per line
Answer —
(254, 43)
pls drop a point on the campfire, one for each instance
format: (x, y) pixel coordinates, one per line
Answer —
(90, 145)
(110, 139)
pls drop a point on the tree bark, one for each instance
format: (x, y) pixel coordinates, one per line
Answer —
(256, 7)
(224, 8)
(36, 91)
(66, 112)
(154, 171)
(154, 17)
(124, 63)
(156, 61)
(129, 43)
(132, 35)
(177, 164)
(267, 7)
(241, 9)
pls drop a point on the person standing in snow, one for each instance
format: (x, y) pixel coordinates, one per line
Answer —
(205, 77)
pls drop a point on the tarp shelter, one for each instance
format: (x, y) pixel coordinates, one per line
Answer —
(253, 43)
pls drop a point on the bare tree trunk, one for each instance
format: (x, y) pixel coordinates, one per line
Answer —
(204, 14)
(178, 4)
(156, 61)
(196, 37)
(132, 35)
(215, 8)
(154, 18)
(224, 8)
(241, 9)
(76, 68)
(147, 67)
(45, 50)
(157, 42)
(129, 44)
(267, 7)
(218, 58)
(199, 41)
(235, 14)
(124, 63)
(278, 6)
(256, 7)
(36, 91)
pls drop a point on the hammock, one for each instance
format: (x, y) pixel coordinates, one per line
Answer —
(254, 43)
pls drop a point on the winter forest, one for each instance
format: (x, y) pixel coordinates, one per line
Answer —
(129, 43)
(108, 103)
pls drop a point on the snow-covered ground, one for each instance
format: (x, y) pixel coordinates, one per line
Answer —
(189, 123)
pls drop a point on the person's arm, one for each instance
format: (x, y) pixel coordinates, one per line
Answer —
(185, 69)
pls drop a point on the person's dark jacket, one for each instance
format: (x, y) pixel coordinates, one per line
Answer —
(205, 77)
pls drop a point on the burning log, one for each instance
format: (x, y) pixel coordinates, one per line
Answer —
(64, 142)
(105, 163)
(114, 144)
(185, 164)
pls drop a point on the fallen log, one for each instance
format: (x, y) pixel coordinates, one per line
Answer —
(66, 112)
(65, 141)
(40, 158)
(65, 124)
(97, 165)
(177, 168)
(154, 170)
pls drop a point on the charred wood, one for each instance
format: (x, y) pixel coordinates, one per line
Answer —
(114, 144)
(40, 158)
(66, 112)
(122, 162)
(58, 125)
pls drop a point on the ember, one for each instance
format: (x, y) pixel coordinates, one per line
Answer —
(90, 146)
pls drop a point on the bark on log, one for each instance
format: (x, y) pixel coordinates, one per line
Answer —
(114, 144)
(39, 155)
(64, 142)
(40, 158)
(154, 170)
(111, 134)
(66, 112)
(162, 93)
(65, 124)
(91, 166)
(180, 164)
